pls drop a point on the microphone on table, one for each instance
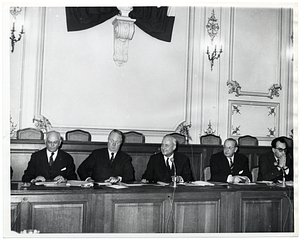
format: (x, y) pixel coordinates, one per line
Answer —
(174, 184)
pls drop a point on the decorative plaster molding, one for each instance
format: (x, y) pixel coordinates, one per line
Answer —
(123, 32)
(212, 26)
(234, 87)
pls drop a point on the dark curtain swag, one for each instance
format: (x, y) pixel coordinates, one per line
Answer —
(152, 20)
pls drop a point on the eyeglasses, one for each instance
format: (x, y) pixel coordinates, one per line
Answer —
(281, 149)
(230, 148)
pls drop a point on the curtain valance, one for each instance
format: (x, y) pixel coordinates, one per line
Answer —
(152, 20)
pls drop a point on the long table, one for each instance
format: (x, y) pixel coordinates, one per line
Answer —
(221, 208)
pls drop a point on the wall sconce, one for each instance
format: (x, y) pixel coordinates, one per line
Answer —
(123, 32)
(15, 11)
(212, 30)
(213, 56)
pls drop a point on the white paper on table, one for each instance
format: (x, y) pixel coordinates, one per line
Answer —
(201, 183)
(116, 186)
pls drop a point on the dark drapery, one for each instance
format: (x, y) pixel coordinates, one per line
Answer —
(152, 20)
(81, 18)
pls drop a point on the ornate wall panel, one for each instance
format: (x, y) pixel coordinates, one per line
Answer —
(259, 119)
(256, 52)
(95, 95)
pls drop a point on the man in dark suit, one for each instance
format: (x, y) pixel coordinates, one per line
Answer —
(273, 164)
(108, 164)
(230, 166)
(50, 163)
(162, 166)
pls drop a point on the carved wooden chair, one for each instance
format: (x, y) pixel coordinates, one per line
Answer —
(248, 140)
(210, 139)
(134, 137)
(78, 135)
(179, 137)
(30, 133)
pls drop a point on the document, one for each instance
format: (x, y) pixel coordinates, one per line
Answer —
(199, 183)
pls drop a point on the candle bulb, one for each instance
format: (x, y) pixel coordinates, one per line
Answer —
(22, 29)
(13, 26)
(207, 50)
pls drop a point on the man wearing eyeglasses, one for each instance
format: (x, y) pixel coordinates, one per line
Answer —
(276, 163)
(50, 163)
(230, 166)
(108, 164)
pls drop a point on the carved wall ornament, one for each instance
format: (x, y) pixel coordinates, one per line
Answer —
(271, 132)
(209, 130)
(234, 87)
(123, 32)
(184, 129)
(292, 133)
(212, 26)
(13, 128)
(272, 111)
(235, 131)
(236, 109)
(42, 124)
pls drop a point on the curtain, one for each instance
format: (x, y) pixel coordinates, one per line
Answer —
(152, 20)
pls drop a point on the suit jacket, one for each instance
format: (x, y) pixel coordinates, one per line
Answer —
(39, 166)
(157, 170)
(220, 169)
(268, 171)
(99, 167)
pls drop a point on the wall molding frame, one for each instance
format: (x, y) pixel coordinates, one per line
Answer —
(232, 83)
(101, 131)
(255, 118)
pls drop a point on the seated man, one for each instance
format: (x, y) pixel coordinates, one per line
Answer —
(108, 164)
(229, 166)
(274, 163)
(50, 163)
(161, 166)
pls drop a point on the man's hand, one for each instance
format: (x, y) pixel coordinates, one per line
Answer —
(282, 161)
(113, 180)
(60, 179)
(38, 179)
(89, 179)
(144, 180)
(179, 179)
(240, 179)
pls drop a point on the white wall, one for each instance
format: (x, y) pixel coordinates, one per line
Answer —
(71, 78)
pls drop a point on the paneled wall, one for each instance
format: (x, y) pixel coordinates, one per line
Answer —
(71, 78)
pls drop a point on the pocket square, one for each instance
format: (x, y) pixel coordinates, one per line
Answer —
(63, 169)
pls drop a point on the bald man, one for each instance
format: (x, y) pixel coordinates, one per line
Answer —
(161, 166)
(50, 163)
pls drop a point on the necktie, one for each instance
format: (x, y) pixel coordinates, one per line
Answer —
(112, 157)
(51, 159)
(169, 163)
(231, 164)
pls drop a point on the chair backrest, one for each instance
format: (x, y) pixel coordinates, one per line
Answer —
(210, 139)
(134, 137)
(179, 137)
(30, 133)
(78, 135)
(206, 173)
(254, 173)
(289, 142)
(248, 140)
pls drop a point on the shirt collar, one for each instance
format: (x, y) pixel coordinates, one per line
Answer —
(165, 157)
(49, 154)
